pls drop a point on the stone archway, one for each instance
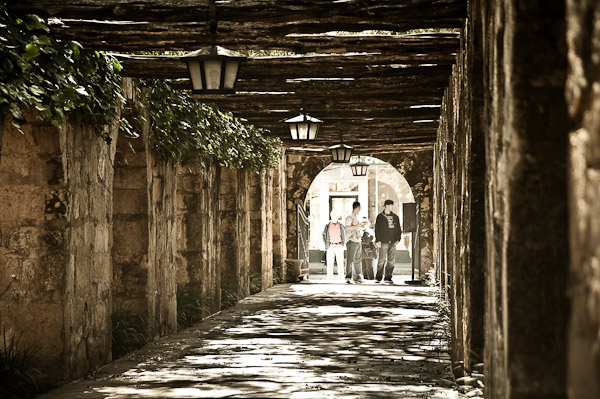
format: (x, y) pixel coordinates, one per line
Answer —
(416, 167)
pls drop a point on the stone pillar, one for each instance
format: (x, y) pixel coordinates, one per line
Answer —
(300, 172)
(144, 232)
(55, 237)
(198, 224)
(161, 288)
(583, 96)
(527, 241)
(234, 235)
(279, 220)
(261, 230)
(130, 226)
(88, 164)
(474, 238)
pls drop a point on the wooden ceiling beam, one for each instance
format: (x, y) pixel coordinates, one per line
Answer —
(128, 36)
(415, 13)
(401, 114)
(317, 102)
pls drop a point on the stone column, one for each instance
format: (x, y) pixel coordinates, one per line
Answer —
(474, 238)
(144, 230)
(234, 235)
(279, 219)
(261, 230)
(161, 286)
(583, 96)
(88, 165)
(130, 226)
(527, 241)
(198, 187)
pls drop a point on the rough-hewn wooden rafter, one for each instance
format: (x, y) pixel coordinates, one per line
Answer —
(284, 68)
(437, 13)
(381, 91)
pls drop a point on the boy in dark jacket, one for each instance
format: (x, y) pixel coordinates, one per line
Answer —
(387, 235)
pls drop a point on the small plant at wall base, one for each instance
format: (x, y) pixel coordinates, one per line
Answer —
(17, 373)
(228, 297)
(442, 308)
(129, 331)
(255, 283)
(189, 305)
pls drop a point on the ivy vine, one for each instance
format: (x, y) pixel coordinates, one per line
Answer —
(183, 128)
(53, 77)
(56, 78)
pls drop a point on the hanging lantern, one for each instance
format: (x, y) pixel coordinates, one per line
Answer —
(341, 152)
(359, 168)
(303, 127)
(213, 69)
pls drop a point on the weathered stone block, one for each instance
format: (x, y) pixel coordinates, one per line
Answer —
(21, 203)
(131, 178)
(130, 201)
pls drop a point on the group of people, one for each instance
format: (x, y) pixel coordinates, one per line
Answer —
(362, 246)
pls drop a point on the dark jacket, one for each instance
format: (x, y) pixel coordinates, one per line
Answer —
(369, 249)
(383, 232)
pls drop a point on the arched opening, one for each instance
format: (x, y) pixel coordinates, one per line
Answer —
(335, 189)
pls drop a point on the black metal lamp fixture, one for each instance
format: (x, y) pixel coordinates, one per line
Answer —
(303, 126)
(213, 69)
(359, 168)
(341, 152)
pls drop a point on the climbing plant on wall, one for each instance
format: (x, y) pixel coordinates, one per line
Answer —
(183, 128)
(52, 77)
(56, 78)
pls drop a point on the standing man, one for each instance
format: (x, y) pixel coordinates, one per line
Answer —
(387, 235)
(334, 236)
(354, 230)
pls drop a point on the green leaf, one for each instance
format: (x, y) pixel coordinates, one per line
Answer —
(31, 51)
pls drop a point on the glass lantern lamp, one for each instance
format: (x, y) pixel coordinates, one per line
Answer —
(341, 153)
(213, 69)
(359, 168)
(303, 127)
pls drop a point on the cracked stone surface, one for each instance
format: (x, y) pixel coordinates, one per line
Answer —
(307, 340)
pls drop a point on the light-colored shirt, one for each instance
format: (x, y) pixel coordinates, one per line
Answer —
(335, 233)
(353, 235)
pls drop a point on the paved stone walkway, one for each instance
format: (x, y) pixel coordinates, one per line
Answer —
(308, 340)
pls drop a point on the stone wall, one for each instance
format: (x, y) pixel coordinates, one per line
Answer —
(524, 52)
(234, 235)
(55, 236)
(583, 95)
(198, 198)
(459, 175)
(301, 171)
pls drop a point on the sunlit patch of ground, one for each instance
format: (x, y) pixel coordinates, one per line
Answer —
(304, 340)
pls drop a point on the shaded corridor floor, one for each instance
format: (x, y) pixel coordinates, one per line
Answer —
(306, 340)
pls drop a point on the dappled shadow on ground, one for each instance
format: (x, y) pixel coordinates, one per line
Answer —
(303, 340)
